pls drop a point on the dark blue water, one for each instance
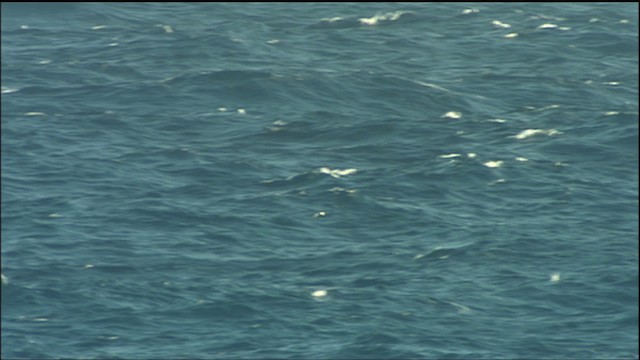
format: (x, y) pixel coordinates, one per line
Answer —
(371, 180)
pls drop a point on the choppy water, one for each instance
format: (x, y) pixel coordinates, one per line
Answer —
(371, 180)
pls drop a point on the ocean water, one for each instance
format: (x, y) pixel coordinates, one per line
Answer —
(316, 180)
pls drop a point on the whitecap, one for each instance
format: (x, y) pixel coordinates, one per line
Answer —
(547, 26)
(7, 90)
(532, 132)
(499, 181)
(500, 24)
(333, 19)
(391, 16)
(319, 293)
(494, 163)
(452, 115)
(338, 190)
(167, 29)
(337, 173)
(470, 11)
(448, 156)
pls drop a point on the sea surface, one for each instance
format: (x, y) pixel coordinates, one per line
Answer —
(320, 181)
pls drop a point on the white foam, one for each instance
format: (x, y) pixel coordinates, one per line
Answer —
(7, 90)
(547, 26)
(242, 111)
(555, 277)
(552, 106)
(452, 115)
(528, 133)
(337, 173)
(319, 293)
(370, 21)
(320, 214)
(167, 29)
(391, 16)
(35, 113)
(471, 155)
(338, 189)
(5, 281)
(500, 24)
(493, 164)
(333, 19)
(511, 35)
(98, 27)
(521, 159)
(448, 156)
(470, 11)
(532, 132)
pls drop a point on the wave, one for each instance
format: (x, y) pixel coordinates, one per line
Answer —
(338, 22)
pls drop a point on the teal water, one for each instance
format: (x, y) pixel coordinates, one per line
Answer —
(314, 180)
